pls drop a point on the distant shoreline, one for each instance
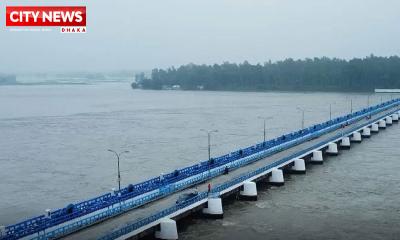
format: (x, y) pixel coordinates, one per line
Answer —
(265, 90)
(316, 74)
(261, 91)
(41, 84)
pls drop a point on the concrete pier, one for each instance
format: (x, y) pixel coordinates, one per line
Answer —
(249, 192)
(389, 121)
(345, 143)
(167, 230)
(276, 178)
(214, 208)
(395, 117)
(366, 132)
(374, 128)
(332, 149)
(317, 157)
(382, 124)
(299, 166)
(356, 137)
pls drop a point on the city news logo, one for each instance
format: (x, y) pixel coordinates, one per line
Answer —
(70, 19)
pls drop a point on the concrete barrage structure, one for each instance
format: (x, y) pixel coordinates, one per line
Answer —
(245, 166)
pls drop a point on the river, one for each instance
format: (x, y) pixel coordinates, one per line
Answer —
(54, 141)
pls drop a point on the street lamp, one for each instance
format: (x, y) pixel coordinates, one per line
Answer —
(209, 140)
(330, 110)
(265, 120)
(209, 146)
(302, 116)
(351, 105)
(119, 173)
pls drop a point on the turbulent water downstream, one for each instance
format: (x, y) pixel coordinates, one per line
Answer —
(54, 141)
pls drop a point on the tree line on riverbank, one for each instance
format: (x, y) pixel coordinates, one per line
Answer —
(317, 74)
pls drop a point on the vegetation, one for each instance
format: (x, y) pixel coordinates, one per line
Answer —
(318, 74)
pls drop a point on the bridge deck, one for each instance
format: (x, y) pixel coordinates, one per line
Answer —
(105, 227)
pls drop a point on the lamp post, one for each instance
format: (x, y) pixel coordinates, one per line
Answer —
(330, 109)
(209, 141)
(209, 146)
(119, 172)
(265, 126)
(351, 105)
(302, 116)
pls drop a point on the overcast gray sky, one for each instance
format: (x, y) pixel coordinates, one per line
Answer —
(143, 34)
